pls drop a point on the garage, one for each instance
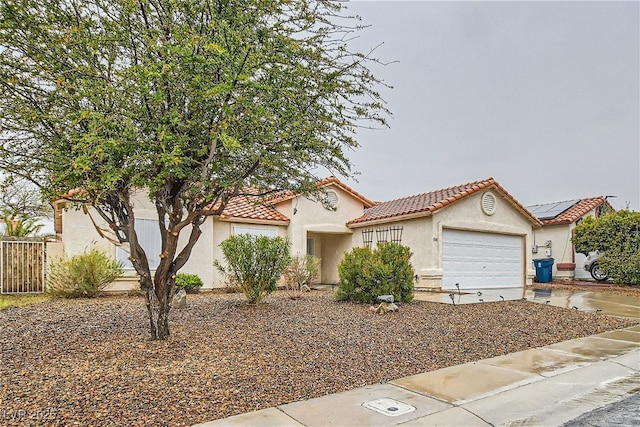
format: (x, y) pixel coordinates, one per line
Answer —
(478, 260)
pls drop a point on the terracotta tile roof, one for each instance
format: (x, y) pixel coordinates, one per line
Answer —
(71, 193)
(282, 196)
(332, 180)
(260, 208)
(251, 208)
(427, 203)
(576, 211)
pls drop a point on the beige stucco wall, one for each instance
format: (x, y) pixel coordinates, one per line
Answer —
(312, 217)
(332, 238)
(332, 250)
(55, 252)
(79, 235)
(467, 214)
(423, 234)
(559, 248)
(222, 230)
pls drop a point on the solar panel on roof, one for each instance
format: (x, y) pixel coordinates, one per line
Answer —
(551, 210)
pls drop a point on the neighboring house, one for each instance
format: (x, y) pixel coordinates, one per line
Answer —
(559, 219)
(476, 234)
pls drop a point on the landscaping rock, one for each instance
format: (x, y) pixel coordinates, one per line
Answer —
(385, 298)
(90, 362)
(385, 308)
(180, 299)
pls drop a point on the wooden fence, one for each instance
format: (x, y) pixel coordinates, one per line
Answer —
(22, 265)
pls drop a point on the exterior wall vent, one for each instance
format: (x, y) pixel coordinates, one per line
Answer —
(488, 203)
(331, 200)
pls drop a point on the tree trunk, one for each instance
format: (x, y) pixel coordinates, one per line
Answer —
(159, 307)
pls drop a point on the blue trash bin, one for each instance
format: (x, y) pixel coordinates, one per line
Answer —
(544, 269)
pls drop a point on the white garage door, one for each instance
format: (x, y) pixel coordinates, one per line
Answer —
(481, 260)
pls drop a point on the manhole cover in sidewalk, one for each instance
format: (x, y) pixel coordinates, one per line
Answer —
(388, 407)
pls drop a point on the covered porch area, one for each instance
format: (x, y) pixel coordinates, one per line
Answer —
(329, 243)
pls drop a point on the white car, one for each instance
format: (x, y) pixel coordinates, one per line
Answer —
(592, 265)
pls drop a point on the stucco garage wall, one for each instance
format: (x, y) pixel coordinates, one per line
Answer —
(416, 234)
(423, 234)
(467, 214)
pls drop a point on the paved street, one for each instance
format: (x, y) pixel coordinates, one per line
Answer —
(623, 413)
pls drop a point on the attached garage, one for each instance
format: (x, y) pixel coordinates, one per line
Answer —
(480, 260)
(475, 234)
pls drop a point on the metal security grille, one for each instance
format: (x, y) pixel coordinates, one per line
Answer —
(22, 266)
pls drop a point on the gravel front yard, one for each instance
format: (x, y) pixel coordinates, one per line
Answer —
(90, 362)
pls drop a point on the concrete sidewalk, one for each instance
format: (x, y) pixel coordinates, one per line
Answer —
(544, 386)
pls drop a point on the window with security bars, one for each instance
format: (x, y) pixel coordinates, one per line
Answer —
(382, 235)
(396, 234)
(367, 237)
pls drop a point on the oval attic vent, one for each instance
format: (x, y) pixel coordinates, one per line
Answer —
(331, 200)
(488, 203)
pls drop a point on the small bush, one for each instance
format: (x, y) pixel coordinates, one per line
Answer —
(191, 283)
(303, 270)
(366, 274)
(254, 264)
(83, 275)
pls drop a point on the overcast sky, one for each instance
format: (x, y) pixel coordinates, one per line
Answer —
(542, 96)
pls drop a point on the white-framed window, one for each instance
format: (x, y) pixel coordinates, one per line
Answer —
(255, 231)
(311, 246)
(149, 238)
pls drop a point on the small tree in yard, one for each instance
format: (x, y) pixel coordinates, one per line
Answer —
(194, 101)
(366, 274)
(254, 264)
(617, 235)
(20, 198)
(302, 270)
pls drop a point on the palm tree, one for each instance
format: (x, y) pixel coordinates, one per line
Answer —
(21, 227)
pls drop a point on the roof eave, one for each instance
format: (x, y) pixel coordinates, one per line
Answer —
(252, 221)
(387, 220)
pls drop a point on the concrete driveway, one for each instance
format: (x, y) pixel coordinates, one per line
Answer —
(600, 302)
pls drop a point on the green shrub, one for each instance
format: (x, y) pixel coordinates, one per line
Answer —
(191, 283)
(83, 275)
(302, 270)
(254, 264)
(366, 274)
(622, 263)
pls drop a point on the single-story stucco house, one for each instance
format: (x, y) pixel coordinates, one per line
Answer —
(553, 240)
(475, 235)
